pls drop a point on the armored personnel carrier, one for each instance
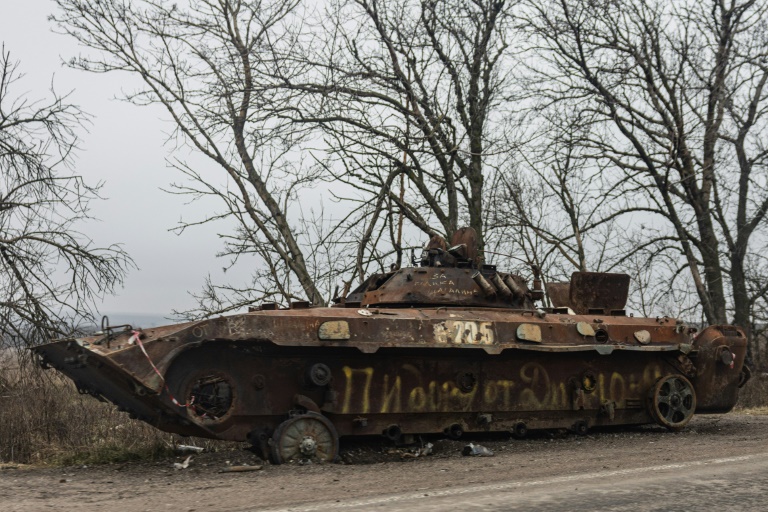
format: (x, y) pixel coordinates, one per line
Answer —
(448, 346)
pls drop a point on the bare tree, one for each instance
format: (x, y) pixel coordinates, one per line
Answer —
(556, 193)
(208, 64)
(400, 104)
(677, 89)
(411, 97)
(49, 272)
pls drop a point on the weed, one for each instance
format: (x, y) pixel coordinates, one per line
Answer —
(754, 394)
(43, 419)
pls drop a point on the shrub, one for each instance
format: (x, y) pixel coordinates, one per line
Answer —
(43, 419)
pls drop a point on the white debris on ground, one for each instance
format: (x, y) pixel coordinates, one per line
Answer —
(182, 465)
(476, 450)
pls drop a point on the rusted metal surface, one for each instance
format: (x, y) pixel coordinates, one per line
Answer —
(444, 286)
(591, 292)
(467, 239)
(559, 294)
(423, 350)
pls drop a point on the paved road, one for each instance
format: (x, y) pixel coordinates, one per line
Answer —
(730, 483)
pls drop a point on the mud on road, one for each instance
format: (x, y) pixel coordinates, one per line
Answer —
(374, 471)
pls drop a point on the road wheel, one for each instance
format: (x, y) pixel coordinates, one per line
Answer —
(580, 428)
(672, 402)
(306, 436)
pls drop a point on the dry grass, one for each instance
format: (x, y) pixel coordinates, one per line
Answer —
(754, 395)
(44, 420)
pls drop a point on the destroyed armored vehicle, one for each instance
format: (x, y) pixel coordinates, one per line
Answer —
(446, 347)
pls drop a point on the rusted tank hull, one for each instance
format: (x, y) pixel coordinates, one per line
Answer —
(423, 392)
(450, 346)
(96, 375)
(407, 371)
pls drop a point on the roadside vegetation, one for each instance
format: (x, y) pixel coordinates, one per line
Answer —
(44, 420)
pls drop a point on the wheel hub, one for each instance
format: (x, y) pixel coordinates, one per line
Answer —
(308, 446)
(305, 436)
(672, 401)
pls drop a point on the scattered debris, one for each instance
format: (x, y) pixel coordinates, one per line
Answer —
(418, 452)
(475, 450)
(182, 465)
(411, 453)
(240, 469)
(185, 448)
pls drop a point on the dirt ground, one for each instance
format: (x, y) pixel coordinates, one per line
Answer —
(369, 468)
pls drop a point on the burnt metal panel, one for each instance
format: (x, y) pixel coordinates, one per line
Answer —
(559, 294)
(598, 290)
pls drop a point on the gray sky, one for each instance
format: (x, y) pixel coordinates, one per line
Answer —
(123, 148)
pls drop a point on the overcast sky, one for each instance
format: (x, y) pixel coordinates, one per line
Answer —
(123, 147)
